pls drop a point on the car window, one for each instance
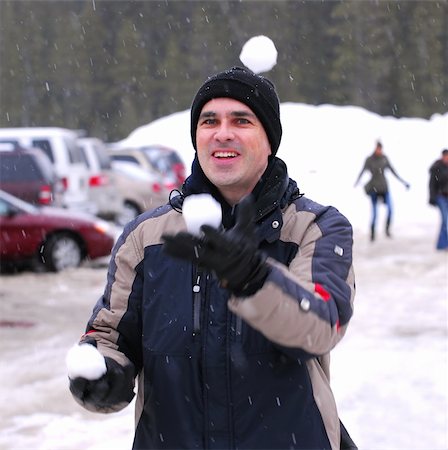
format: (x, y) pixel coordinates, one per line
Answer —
(157, 159)
(76, 155)
(44, 144)
(17, 204)
(127, 158)
(131, 170)
(45, 166)
(8, 144)
(162, 159)
(103, 158)
(19, 168)
(4, 208)
(85, 157)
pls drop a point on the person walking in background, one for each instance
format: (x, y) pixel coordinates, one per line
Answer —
(229, 331)
(438, 195)
(377, 187)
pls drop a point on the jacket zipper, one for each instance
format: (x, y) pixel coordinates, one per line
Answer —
(238, 328)
(197, 302)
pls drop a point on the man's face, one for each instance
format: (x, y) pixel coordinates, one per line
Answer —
(232, 147)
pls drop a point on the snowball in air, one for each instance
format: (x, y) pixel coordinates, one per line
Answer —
(259, 54)
(201, 209)
(85, 361)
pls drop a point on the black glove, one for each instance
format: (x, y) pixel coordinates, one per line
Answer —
(232, 255)
(432, 201)
(114, 387)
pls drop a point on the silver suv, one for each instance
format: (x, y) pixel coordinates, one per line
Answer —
(103, 189)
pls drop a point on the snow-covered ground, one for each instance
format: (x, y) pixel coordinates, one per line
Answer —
(389, 374)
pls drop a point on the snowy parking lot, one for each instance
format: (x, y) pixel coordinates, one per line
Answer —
(389, 374)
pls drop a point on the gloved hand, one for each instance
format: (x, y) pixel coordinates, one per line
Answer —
(233, 255)
(115, 387)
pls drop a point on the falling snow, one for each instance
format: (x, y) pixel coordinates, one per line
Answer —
(389, 373)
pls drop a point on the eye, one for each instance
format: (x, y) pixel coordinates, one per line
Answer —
(208, 121)
(242, 121)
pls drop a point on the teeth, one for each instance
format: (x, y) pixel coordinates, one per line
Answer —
(225, 154)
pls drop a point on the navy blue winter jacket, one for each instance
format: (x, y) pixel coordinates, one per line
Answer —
(220, 372)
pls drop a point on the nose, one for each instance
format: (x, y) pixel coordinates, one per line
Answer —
(224, 132)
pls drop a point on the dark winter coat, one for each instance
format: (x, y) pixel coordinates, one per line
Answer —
(377, 165)
(220, 372)
(438, 181)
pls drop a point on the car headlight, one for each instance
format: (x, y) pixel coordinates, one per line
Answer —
(103, 227)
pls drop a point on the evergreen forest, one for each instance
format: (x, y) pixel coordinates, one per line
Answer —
(110, 66)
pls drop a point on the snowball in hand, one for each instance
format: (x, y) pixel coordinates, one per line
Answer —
(85, 361)
(201, 209)
(259, 54)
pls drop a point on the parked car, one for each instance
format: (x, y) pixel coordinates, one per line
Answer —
(29, 175)
(141, 190)
(55, 238)
(103, 190)
(167, 162)
(61, 146)
(152, 158)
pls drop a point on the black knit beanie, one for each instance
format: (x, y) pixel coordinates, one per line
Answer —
(241, 84)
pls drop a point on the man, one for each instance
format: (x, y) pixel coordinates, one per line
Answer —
(377, 187)
(229, 333)
(438, 196)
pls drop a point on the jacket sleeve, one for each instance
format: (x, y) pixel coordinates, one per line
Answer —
(433, 184)
(364, 168)
(307, 306)
(394, 172)
(115, 323)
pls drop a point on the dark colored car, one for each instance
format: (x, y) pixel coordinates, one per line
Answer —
(53, 237)
(28, 174)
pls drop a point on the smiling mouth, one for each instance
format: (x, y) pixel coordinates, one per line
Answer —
(225, 154)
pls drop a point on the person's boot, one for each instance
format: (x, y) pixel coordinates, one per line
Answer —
(388, 229)
(372, 233)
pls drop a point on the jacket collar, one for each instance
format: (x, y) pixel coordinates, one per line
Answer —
(272, 193)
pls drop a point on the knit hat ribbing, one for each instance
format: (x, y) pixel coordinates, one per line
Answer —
(255, 91)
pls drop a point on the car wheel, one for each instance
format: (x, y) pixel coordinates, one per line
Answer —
(60, 252)
(129, 211)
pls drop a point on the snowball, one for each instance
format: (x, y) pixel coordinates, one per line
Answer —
(85, 361)
(201, 209)
(259, 54)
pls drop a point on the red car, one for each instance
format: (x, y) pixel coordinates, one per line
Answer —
(52, 237)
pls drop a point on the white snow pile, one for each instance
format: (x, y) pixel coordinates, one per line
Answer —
(259, 54)
(325, 148)
(201, 209)
(85, 361)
